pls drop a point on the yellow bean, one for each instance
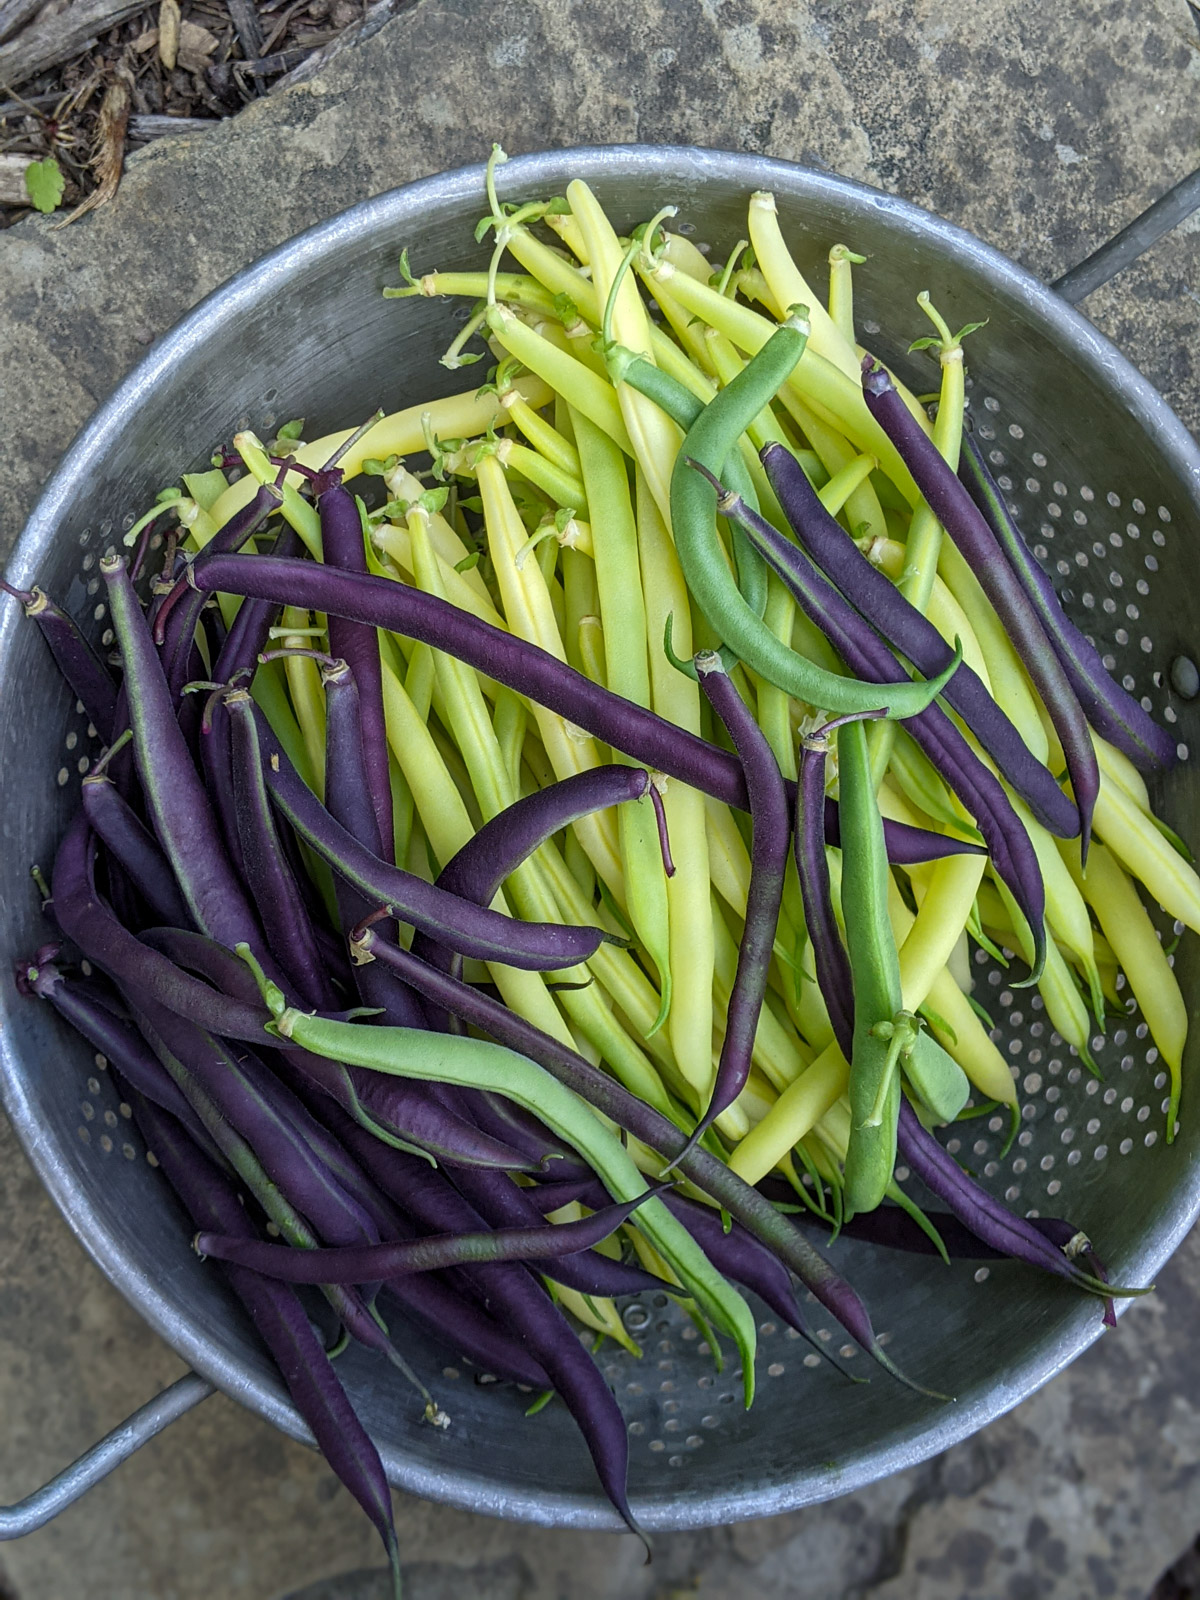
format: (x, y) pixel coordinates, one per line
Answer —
(1144, 853)
(797, 1111)
(1127, 927)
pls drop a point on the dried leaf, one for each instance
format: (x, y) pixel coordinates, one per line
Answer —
(196, 44)
(145, 41)
(168, 33)
(110, 148)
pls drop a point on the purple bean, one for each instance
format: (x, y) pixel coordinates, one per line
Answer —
(464, 1327)
(430, 1199)
(284, 1327)
(1108, 706)
(358, 646)
(87, 677)
(960, 517)
(520, 1129)
(524, 667)
(770, 834)
(118, 1041)
(989, 1219)
(397, 1258)
(831, 963)
(350, 801)
(504, 1205)
(906, 629)
(276, 894)
(122, 831)
(89, 924)
(479, 869)
(906, 845)
(472, 929)
(179, 808)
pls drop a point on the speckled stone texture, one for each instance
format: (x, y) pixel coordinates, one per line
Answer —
(1042, 128)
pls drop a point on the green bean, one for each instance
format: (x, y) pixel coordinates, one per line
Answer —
(819, 382)
(479, 1064)
(883, 1030)
(709, 442)
(656, 384)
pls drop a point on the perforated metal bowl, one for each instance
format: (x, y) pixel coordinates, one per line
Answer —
(1107, 484)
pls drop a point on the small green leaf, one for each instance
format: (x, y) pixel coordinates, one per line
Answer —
(560, 206)
(406, 270)
(481, 228)
(291, 430)
(924, 344)
(565, 309)
(374, 468)
(970, 327)
(468, 563)
(44, 184)
(434, 499)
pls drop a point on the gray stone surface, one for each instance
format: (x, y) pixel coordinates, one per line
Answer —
(1043, 129)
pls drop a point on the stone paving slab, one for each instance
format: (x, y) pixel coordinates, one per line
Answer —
(1043, 129)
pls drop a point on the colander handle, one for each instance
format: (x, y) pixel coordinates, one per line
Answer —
(1167, 212)
(44, 1504)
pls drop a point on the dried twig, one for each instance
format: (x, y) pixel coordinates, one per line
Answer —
(244, 14)
(51, 39)
(158, 127)
(14, 14)
(110, 147)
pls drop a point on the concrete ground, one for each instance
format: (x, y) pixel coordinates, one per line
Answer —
(1043, 129)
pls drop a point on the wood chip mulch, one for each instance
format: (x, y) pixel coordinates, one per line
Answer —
(85, 81)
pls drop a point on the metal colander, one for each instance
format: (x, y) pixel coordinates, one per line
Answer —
(1107, 484)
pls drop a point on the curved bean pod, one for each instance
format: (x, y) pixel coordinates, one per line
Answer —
(471, 929)
(907, 630)
(976, 786)
(771, 827)
(960, 517)
(396, 1258)
(1108, 706)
